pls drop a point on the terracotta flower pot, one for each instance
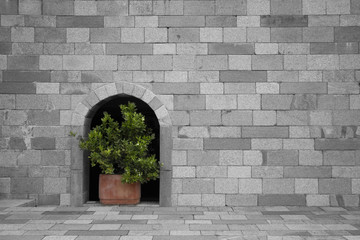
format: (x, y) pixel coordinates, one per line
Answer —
(113, 191)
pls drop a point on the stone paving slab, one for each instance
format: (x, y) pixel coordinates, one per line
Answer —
(178, 223)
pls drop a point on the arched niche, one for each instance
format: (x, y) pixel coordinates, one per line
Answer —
(81, 123)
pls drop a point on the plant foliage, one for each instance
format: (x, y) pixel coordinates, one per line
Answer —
(123, 149)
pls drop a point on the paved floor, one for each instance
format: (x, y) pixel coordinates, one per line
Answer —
(150, 222)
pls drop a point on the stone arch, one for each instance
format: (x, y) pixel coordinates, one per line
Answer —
(80, 123)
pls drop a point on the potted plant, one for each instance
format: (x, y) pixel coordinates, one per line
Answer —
(122, 153)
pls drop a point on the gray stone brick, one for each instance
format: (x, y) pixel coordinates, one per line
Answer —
(41, 118)
(22, 34)
(40, 21)
(184, 62)
(346, 117)
(239, 88)
(7, 101)
(282, 200)
(50, 35)
(276, 102)
(221, 21)
(335, 186)
(27, 48)
(278, 186)
(23, 63)
(199, 7)
(221, 102)
(205, 118)
(256, 34)
(318, 34)
(292, 118)
(156, 62)
(284, 21)
(79, 22)
(240, 200)
(307, 172)
(226, 144)
(27, 185)
(58, 48)
(267, 62)
(211, 62)
(230, 7)
(355, 7)
(90, 49)
(267, 172)
(333, 48)
(347, 34)
(140, 8)
(304, 102)
(286, 35)
(176, 88)
(72, 62)
(105, 35)
(231, 49)
(75, 88)
(17, 143)
(343, 88)
(282, 158)
(203, 158)
(168, 7)
(324, 21)
(58, 7)
(119, 21)
(129, 48)
(8, 7)
(5, 48)
(265, 132)
(5, 185)
(226, 185)
(211, 172)
(243, 76)
(339, 158)
(55, 185)
(181, 21)
(184, 35)
(286, 7)
(189, 102)
(333, 102)
(43, 143)
(198, 186)
(52, 158)
(351, 61)
(51, 199)
(341, 76)
(25, 76)
(303, 88)
(5, 34)
(18, 88)
(112, 8)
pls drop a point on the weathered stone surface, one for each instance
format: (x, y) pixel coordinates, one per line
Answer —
(284, 21)
(25, 76)
(267, 172)
(199, 8)
(243, 76)
(303, 88)
(5, 48)
(198, 186)
(128, 48)
(230, 7)
(339, 158)
(22, 88)
(206, 158)
(23, 63)
(229, 48)
(307, 172)
(281, 158)
(43, 143)
(241, 200)
(347, 34)
(8, 7)
(334, 48)
(265, 132)
(226, 144)
(80, 21)
(335, 186)
(282, 200)
(50, 35)
(277, 102)
(337, 144)
(181, 21)
(304, 102)
(278, 186)
(205, 118)
(221, 21)
(333, 102)
(286, 35)
(27, 185)
(189, 102)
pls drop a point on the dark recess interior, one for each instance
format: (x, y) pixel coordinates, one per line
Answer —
(150, 190)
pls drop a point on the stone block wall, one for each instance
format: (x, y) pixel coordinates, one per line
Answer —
(263, 95)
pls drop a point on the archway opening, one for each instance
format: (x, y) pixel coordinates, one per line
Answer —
(149, 191)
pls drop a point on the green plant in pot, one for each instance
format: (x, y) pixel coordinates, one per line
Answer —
(121, 152)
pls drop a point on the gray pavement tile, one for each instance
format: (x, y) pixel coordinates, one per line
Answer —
(68, 213)
(149, 233)
(201, 227)
(175, 217)
(119, 221)
(98, 238)
(288, 233)
(14, 221)
(45, 233)
(21, 237)
(185, 237)
(354, 232)
(97, 233)
(60, 217)
(66, 227)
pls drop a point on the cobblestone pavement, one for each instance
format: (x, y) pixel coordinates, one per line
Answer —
(150, 222)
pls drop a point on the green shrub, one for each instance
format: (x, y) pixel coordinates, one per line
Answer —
(123, 149)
